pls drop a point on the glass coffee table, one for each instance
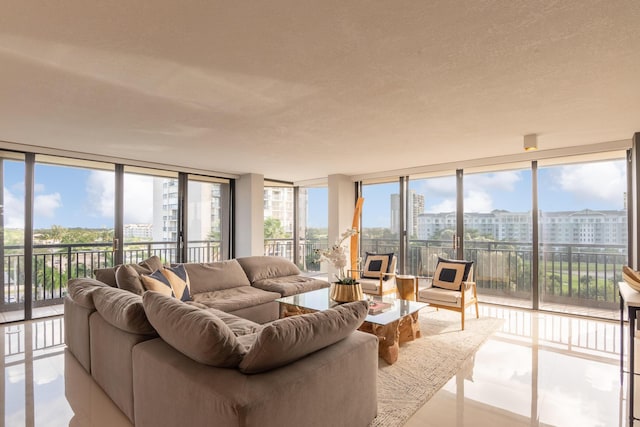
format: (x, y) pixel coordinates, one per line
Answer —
(391, 319)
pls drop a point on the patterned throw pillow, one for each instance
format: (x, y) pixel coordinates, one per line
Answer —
(169, 281)
(157, 281)
(451, 273)
(374, 264)
(179, 281)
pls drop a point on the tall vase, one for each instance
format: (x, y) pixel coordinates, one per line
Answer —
(346, 293)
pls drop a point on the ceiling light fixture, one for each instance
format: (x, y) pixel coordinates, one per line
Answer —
(530, 142)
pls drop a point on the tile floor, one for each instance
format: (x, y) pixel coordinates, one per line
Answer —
(539, 370)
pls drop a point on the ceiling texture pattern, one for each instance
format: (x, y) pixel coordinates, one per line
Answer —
(299, 90)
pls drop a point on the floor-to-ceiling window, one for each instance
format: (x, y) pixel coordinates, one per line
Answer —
(380, 230)
(583, 234)
(61, 218)
(72, 225)
(498, 234)
(151, 214)
(431, 222)
(582, 229)
(12, 206)
(278, 219)
(313, 226)
(207, 218)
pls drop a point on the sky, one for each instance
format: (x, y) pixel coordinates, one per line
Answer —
(77, 197)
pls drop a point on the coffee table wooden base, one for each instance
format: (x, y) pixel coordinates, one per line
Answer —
(391, 335)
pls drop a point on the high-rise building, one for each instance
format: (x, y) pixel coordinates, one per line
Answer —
(416, 207)
(203, 210)
(278, 204)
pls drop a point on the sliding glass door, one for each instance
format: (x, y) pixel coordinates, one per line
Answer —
(380, 231)
(583, 235)
(313, 226)
(151, 215)
(207, 219)
(12, 218)
(498, 238)
(431, 222)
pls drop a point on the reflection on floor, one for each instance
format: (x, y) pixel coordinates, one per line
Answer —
(539, 370)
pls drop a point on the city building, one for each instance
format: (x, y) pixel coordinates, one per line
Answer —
(416, 208)
(138, 231)
(578, 227)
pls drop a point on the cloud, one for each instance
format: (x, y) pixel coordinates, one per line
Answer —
(45, 205)
(478, 201)
(138, 196)
(101, 190)
(602, 181)
(478, 189)
(13, 210)
(501, 181)
(37, 188)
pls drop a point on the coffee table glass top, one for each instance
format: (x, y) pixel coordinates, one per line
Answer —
(319, 300)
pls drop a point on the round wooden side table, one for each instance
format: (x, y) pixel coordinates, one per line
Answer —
(407, 287)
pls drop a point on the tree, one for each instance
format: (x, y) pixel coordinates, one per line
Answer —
(273, 229)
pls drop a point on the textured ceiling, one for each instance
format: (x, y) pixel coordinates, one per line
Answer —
(299, 90)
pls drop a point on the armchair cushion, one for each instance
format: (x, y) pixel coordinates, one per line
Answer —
(450, 274)
(374, 264)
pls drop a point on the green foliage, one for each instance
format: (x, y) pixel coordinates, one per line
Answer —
(378, 233)
(273, 229)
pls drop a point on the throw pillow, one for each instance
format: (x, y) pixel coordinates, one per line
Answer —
(374, 264)
(123, 310)
(265, 267)
(157, 281)
(450, 274)
(196, 333)
(108, 275)
(128, 278)
(467, 266)
(179, 281)
(287, 340)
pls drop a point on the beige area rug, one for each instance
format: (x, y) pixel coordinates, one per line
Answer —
(427, 364)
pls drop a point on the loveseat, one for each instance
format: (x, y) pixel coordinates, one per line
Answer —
(148, 366)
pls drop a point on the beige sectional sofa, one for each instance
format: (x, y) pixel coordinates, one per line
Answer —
(158, 369)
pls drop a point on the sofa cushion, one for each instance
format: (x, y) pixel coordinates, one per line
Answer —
(108, 275)
(235, 298)
(239, 325)
(265, 267)
(287, 340)
(123, 310)
(194, 332)
(215, 276)
(81, 291)
(290, 285)
(128, 278)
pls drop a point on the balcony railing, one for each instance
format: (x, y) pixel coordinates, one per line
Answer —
(54, 264)
(584, 275)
